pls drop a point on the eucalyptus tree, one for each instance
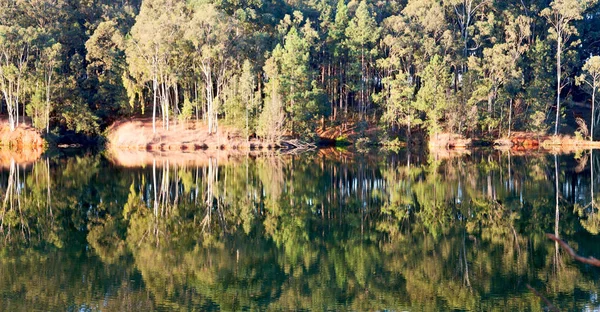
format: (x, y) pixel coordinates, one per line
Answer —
(47, 63)
(422, 31)
(152, 48)
(213, 36)
(465, 14)
(16, 45)
(560, 16)
(499, 65)
(592, 79)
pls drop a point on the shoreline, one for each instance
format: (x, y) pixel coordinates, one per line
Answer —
(137, 135)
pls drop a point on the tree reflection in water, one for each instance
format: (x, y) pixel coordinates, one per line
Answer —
(314, 231)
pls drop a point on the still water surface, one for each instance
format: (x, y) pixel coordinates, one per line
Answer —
(320, 231)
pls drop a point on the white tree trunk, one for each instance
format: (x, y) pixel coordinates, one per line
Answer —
(558, 74)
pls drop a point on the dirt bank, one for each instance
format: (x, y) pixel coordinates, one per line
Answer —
(524, 141)
(137, 134)
(23, 137)
(449, 141)
(22, 146)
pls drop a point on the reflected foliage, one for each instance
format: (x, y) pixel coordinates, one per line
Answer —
(399, 231)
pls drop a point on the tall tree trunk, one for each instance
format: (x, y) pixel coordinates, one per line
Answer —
(17, 99)
(558, 88)
(593, 110)
(592, 179)
(209, 97)
(341, 85)
(510, 109)
(154, 90)
(362, 82)
(557, 211)
(48, 84)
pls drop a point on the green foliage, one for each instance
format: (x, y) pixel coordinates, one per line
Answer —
(80, 119)
(537, 94)
(362, 35)
(271, 123)
(433, 98)
(187, 110)
(560, 16)
(591, 78)
(538, 123)
(292, 89)
(37, 110)
(341, 141)
(399, 103)
(106, 67)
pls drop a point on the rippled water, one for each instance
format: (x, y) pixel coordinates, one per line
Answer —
(323, 231)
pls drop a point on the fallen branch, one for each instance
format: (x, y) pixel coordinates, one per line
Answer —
(591, 260)
(298, 145)
(549, 304)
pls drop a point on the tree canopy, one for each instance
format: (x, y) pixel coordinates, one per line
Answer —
(280, 68)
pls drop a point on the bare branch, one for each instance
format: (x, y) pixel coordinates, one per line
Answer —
(549, 304)
(591, 260)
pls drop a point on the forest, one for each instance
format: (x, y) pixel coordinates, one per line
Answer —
(274, 68)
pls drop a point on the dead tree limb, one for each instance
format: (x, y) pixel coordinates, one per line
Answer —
(549, 304)
(591, 260)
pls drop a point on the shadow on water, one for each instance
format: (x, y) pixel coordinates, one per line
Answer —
(318, 231)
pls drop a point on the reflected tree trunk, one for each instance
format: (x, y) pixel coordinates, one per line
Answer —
(466, 263)
(48, 187)
(510, 181)
(557, 215)
(12, 202)
(211, 180)
(154, 187)
(592, 181)
(7, 197)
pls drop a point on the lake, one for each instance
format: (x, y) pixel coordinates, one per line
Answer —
(326, 230)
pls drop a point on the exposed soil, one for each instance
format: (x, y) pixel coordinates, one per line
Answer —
(23, 146)
(137, 134)
(525, 141)
(23, 137)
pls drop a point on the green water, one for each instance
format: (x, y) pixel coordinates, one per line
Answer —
(317, 231)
